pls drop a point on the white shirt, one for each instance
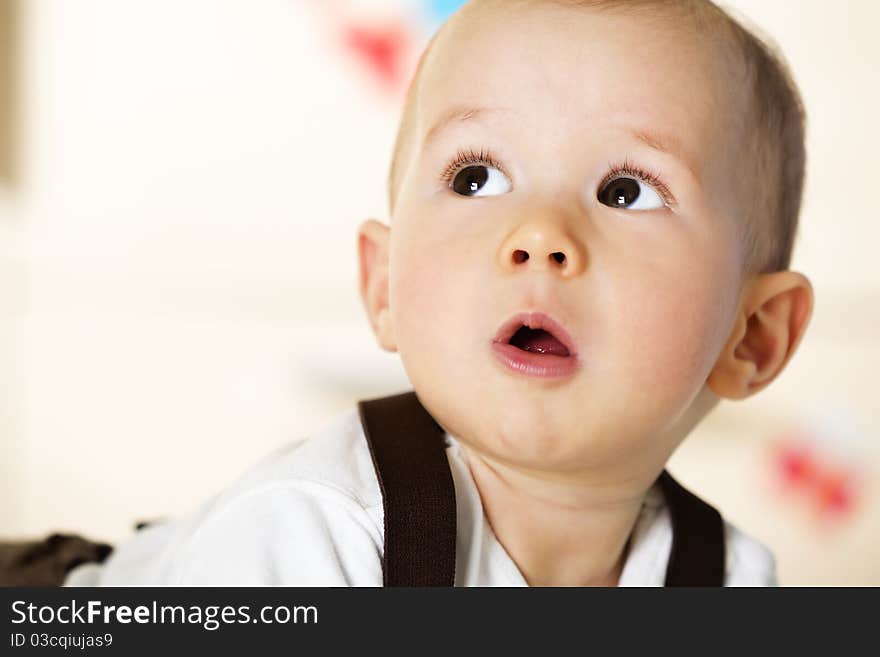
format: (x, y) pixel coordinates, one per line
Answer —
(311, 515)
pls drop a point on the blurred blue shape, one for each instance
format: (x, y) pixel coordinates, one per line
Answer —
(440, 10)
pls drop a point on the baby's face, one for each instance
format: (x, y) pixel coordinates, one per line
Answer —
(591, 185)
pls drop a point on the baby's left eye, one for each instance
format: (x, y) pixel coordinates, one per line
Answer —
(630, 194)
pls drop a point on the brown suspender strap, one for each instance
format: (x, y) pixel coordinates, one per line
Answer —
(418, 494)
(419, 500)
(697, 554)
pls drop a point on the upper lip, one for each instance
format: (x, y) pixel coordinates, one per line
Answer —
(535, 320)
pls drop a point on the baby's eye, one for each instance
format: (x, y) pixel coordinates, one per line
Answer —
(480, 180)
(630, 194)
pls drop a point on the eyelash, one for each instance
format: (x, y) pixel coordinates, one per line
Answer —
(626, 168)
(464, 158)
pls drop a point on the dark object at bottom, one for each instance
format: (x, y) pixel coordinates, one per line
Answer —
(47, 562)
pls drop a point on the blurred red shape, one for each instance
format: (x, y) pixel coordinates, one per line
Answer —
(382, 48)
(834, 492)
(828, 484)
(796, 464)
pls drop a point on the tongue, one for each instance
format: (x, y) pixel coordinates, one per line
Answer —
(539, 341)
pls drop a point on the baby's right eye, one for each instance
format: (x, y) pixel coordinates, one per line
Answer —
(480, 180)
(472, 174)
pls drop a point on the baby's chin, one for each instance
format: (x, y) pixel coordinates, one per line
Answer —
(533, 437)
(563, 426)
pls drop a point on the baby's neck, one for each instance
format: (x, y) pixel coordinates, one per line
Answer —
(571, 531)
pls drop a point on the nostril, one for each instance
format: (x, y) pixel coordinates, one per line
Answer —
(520, 256)
(559, 257)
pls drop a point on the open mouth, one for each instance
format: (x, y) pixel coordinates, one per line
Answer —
(539, 341)
(536, 345)
(536, 333)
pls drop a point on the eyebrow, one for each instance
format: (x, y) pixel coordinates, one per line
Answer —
(668, 144)
(458, 114)
(661, 142)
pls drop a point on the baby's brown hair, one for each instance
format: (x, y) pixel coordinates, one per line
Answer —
(772, 152)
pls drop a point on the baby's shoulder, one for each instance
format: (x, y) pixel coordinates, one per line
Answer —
(310, 513)
(336, 460)
(329, 474)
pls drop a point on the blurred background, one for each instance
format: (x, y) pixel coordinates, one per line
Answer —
(180, 185)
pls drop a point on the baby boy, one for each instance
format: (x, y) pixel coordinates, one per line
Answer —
(592, 210)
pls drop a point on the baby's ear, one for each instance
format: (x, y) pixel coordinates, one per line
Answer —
(373, 239)
(773, 314)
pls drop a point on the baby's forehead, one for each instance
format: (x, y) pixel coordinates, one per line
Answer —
(561, 70)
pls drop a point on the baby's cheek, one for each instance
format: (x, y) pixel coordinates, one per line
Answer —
(669, 344)
(674, 309)
(426, 307)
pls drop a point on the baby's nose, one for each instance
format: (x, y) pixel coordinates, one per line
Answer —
(542, 245)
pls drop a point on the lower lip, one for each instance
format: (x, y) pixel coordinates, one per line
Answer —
(532, 364)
